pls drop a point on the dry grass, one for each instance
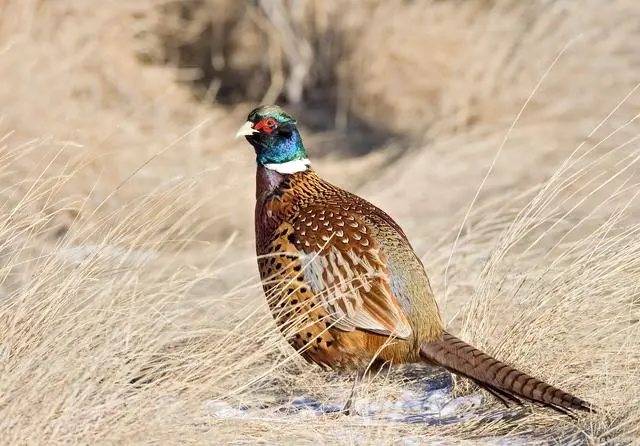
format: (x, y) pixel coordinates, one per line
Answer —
(126, 235)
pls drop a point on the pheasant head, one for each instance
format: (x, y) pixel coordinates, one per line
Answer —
(276, 140)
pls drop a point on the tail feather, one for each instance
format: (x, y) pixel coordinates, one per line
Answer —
(499, 379)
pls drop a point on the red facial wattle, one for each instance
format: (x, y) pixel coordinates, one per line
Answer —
(266, 125)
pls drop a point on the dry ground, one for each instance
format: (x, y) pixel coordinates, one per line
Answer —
(501, 134)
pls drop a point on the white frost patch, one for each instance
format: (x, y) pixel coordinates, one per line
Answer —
(417, 405)
(220, 409)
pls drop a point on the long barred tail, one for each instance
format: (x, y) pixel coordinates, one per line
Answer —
(499, 379)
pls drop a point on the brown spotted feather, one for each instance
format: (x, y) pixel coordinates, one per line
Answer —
(304, 323)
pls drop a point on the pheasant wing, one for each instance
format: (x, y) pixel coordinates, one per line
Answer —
(346, 269)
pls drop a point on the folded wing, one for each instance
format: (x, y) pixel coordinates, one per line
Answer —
(346, 270)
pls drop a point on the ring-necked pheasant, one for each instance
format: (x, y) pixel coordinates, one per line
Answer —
(344, 283)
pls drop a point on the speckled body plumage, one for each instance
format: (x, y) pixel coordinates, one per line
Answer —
(302, 220)
(343, 282)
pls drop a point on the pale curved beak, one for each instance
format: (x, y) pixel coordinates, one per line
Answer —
(246, 130)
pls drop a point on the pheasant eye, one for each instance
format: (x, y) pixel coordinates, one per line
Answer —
(266, 125)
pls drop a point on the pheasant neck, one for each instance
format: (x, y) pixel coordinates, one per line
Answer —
(268, 182)
(282, 153)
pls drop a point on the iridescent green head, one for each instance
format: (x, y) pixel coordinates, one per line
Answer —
(275, 138)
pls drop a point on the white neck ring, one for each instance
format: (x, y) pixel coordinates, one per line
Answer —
(299, 165)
